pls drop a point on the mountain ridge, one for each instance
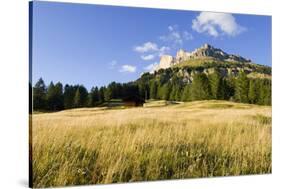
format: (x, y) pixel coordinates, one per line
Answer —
(204, 52)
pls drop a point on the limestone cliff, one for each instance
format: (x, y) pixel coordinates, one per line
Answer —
(206, 51)
(166, 61)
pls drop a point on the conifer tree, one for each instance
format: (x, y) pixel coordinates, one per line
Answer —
(186, 96)
(216, 85)
(77, 99)
(200, 88)
(253, 91)
(264, 92)
(55, 97)
(69, 93)
(94, 96)
(242, 88)
(101, 95)
(39, 95)
(166, 91)
(153, 89)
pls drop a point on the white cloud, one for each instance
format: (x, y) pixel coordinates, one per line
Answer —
(128, 68)
(217, 24)
(146, 47)
(112, 64)
(151, 67)
(148, 57)
(152, 49)
(175, 36)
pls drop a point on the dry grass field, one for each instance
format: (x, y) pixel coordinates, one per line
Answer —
(188, 140)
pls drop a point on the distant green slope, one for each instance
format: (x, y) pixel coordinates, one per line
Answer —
(209, 62)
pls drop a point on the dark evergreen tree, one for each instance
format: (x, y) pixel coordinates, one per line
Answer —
(242, 88)
(101, 95)
(186, 95)
(69, 93)
(59, 95)
(264, 92)
(131, 92)
(94, 97)
(144, 86)
(268, 95)
(51, 93)
(83, 96)
(229, 88)
(55, 97)
(117, 91)
(30, 98)
(178, 95)
(153, 89)
(173, 93)
(143, 90)
(165, 91)
(200, 88)
(108, 94)
(216, 85)
(39, 95)
(177, 85)
(77, 99)
(253, 91)
(112, 87)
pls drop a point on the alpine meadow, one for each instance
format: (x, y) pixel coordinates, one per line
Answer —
(163, 112)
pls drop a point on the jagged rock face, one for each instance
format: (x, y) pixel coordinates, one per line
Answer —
(210, 51)
(166, 61)
(206, 50)
(237, 58)
(182, 56)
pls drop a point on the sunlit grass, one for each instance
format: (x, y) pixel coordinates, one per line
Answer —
(195, 139)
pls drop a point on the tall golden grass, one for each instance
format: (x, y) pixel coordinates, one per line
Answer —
(195, 139)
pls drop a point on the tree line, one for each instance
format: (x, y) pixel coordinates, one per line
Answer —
(164, 86)
(213, 86)
(56, 97)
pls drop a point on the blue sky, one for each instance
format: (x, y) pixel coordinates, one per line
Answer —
(94, 45)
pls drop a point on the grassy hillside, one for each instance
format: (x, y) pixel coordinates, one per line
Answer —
(209, 62)
(187, 140)
(203, 62)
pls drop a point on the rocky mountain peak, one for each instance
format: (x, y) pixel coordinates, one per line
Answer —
(204, 51)
(207, 46)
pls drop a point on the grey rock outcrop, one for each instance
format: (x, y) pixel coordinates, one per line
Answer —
(206, 51)
(166, 61)
(182, 56)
